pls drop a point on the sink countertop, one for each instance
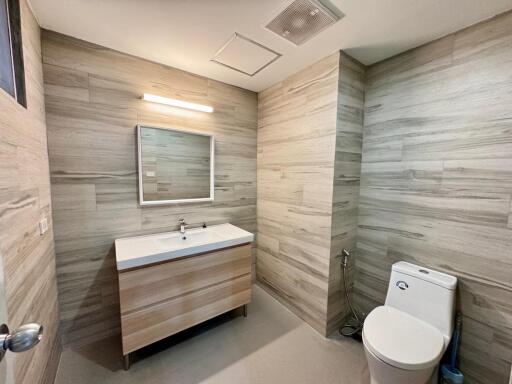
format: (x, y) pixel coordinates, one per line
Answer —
(132, 252)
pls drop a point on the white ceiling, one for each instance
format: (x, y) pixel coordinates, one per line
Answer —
(186, 33)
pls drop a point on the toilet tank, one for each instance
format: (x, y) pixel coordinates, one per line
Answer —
(425, 294)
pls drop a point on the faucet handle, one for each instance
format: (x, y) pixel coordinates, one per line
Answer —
(182, 221)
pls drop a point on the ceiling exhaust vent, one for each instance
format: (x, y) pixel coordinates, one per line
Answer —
(302, 20)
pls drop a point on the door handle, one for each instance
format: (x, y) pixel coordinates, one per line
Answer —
(21, 340)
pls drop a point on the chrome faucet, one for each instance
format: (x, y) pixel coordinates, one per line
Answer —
(183, 226)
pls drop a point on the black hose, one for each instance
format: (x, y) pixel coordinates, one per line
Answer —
(354, 327)
(347, 297)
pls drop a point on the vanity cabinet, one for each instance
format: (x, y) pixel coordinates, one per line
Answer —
(161, 299)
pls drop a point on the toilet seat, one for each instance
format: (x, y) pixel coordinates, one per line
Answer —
(401, 340)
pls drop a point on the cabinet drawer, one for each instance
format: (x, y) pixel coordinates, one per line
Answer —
(162, 299)
(150, 285)
(154, 323)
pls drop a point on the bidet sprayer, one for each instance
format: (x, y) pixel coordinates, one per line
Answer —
(344, 257)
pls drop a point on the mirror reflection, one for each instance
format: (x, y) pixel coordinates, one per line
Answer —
(174, 166)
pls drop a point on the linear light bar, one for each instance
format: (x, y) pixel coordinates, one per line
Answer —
(177, 103)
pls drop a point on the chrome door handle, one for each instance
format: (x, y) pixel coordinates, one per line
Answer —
(21, 340)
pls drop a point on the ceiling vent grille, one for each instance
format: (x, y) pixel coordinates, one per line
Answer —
(302, 20)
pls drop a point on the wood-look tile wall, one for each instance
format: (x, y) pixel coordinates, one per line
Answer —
(28, 258)
(308, 124)
(347, 171)
(93, 106)
(436, 183)
(296, 148)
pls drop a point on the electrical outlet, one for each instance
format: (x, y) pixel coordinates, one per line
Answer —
(150, 174)
(43, 226)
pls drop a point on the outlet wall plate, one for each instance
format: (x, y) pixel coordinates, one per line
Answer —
(43, 226)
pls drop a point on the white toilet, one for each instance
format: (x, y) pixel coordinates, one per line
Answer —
(405, 338)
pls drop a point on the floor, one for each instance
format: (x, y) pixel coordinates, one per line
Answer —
(271, 345)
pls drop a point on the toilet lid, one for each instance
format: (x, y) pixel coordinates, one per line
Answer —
(402, 340)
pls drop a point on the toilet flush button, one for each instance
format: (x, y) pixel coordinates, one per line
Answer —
(402, 285)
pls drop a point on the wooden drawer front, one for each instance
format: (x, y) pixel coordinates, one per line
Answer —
(163, 299)
(147, 286)
(157, 322)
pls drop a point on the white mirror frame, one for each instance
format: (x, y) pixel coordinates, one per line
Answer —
(143, 202)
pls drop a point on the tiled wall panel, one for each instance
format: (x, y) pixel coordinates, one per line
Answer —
(436, 183)
(93, 104)
(28, 258)
(347, 172)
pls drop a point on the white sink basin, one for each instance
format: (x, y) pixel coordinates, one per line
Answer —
(176, 240)
(138, 251)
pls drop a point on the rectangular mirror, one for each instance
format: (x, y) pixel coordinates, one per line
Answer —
(175, 166)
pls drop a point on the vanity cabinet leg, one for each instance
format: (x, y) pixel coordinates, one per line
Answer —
(245, 310)
(126, 362)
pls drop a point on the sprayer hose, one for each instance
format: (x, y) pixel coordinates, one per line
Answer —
(354, 313)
